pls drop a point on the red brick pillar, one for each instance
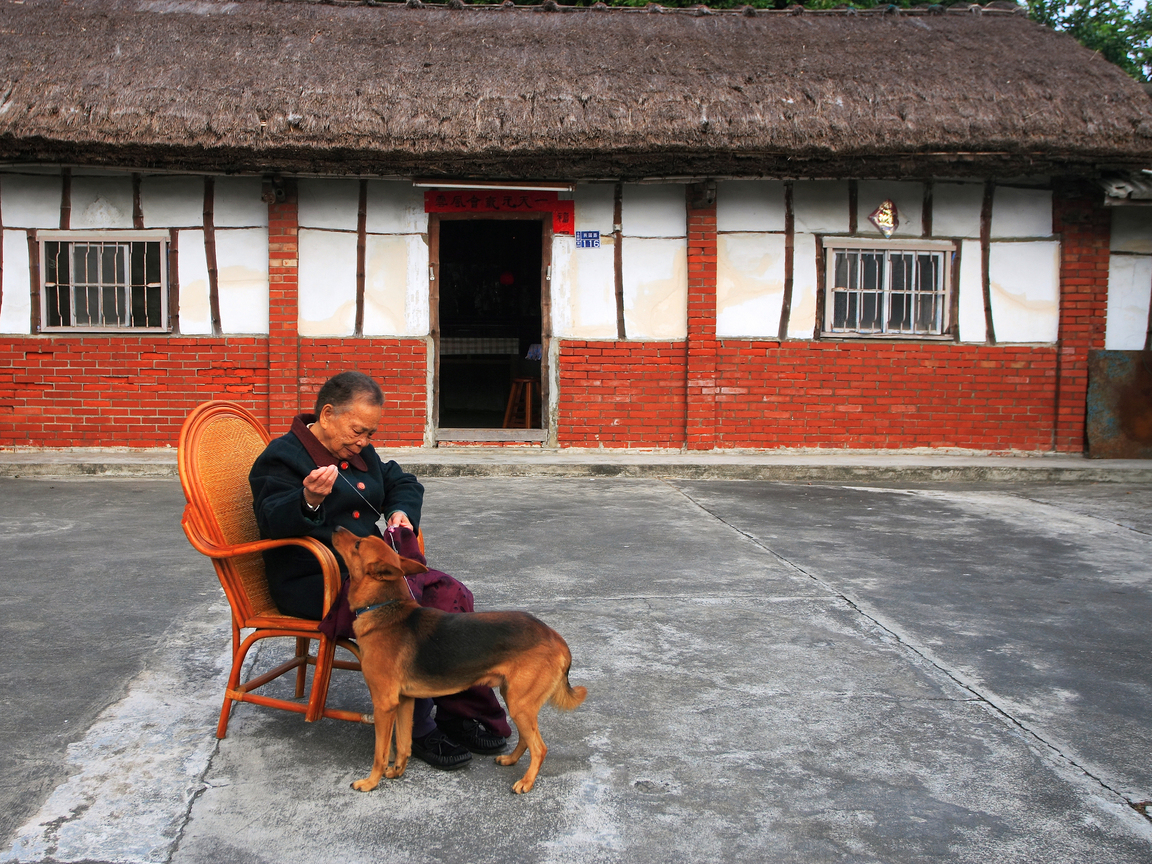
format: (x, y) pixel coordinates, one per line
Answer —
(283, 312)
(1085, 229)
(702, 384)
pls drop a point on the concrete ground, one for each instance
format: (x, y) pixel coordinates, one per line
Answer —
(883, 670)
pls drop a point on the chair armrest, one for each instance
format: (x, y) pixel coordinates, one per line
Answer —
(327, 560)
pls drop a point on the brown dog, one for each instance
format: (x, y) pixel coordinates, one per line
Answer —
(409, 652)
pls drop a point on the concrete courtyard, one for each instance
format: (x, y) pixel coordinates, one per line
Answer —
(777, 672)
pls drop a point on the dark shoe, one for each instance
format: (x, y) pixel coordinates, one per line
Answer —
(439, 751)
(474, 735)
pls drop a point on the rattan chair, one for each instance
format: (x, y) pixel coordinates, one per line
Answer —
(218, 444)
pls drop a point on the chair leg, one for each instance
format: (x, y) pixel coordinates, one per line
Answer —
(302, 644)
(320, 679)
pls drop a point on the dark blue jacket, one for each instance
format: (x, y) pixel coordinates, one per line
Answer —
(366, 491)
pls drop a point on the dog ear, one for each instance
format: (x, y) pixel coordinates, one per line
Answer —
(384, 563)
(411, 568)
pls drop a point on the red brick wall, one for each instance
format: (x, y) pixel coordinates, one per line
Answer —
(702, 377)
(622, 394)
(399, 366)
(884, 395)
(1085, 229)
(122, 391)
(283, 312)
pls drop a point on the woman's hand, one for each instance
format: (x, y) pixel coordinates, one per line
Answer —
(318, 485)
(400, 518)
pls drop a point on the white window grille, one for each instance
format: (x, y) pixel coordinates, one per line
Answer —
(111, 280)
(876, 289)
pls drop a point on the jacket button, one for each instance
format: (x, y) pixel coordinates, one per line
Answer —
(359, 485)
(355, 514)
(344, 466)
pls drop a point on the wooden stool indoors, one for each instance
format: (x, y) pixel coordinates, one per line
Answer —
(518, 414)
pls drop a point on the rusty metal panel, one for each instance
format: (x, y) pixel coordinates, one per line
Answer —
(1120, 404)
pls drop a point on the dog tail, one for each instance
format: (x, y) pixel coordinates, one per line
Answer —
(565, 696)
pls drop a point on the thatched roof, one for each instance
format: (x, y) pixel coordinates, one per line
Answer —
(554, 92)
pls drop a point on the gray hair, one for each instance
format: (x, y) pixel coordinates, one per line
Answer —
(342, 390)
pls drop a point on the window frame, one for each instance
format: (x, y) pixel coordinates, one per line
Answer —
(123, 236)
(829, 246)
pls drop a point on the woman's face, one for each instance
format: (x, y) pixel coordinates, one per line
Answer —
(346, 432)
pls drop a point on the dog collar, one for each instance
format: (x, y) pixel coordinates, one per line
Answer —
(363, 609)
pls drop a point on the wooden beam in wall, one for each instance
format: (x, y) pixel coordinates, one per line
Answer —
(985, 256)
(210, 253)
(361, 246)
(65, 199)
(174, 280)
(618, 257)
(789, 260)
(137, 208)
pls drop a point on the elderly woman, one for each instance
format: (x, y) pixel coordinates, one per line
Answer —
(324, 474)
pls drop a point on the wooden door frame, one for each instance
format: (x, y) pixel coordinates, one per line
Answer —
(545, 218)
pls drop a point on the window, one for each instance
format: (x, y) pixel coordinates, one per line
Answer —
(110, 280)
(877, 289)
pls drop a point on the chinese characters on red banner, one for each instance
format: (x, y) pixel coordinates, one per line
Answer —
(501, 201)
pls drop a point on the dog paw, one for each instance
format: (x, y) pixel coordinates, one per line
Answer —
(365, 785)
(393, 773)
(520, 787)
(506, 759)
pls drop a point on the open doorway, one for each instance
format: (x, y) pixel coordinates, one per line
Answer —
(489, 316)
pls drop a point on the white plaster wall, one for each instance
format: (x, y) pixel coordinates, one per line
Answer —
(584, 289)
(909, 201)
(394, 207)
(1025, 291)
(395, 285)
(749, 284)
(327, 274)
(30, 202)
(1131, 229)
(970, 311)
(820, 206)
(242, 279)
(101, 202)
(595, 207)
(805, 285)
(192, 271)
(657, 210)
(1021, 213)
(15, 283)
(236, 203)
(956, 209)
(1129, 294)
(333, 204)
(172, 202)
(655, 288)
(750, 205)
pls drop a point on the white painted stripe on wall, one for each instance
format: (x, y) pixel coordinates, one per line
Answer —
(595, 207)
(332, 204)
(956, 209)
(1025, 291)
(242, 279)
(16, 305)
(237, 203)
(172, 202)
(394, 207)
(1132, 229)
(587, 291)
(750, 205)
(820, 206)
(1129, 295)
(655, 288)
(805, 285)
(749, 284)
(657, 210)
(327, 274)
(30, 202)
(973, 324)
(1021, 213)
(101, 202)
(192, 263)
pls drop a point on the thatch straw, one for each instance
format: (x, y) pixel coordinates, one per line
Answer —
(572, 93)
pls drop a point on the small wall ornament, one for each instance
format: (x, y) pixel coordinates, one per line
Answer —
(885, 218)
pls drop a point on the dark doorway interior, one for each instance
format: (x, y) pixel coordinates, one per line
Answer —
(490, 322)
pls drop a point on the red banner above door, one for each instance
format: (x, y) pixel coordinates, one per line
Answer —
(501, 201)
